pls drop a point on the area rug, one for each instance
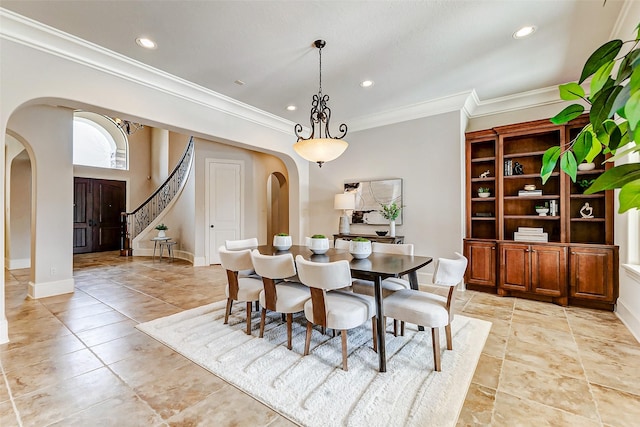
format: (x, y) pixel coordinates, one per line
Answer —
(314, 390)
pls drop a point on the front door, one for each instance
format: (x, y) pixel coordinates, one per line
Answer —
(224, 207)
(97, 204)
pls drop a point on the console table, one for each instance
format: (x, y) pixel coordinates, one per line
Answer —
(372, 237)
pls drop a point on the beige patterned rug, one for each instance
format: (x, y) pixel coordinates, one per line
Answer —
(314, 390)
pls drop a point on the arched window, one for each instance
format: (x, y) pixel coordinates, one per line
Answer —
(98, 142)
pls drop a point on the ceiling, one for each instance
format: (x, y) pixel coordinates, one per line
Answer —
(414, 51)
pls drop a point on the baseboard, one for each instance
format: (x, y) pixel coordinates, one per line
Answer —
(628, 318)
(184, 255)
(49, 289)
(15, 264)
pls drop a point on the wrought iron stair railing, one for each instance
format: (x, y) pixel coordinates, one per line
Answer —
(133, 223)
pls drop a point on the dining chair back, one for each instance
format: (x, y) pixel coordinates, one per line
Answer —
(342, 244)
(391, 248)
(244, 289)
(235, 245)
(277, 295)
(427, 309)
(330, 307)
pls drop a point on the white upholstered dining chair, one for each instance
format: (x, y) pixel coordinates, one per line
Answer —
(238, 245)
(280, 296)
(342, 244)
(331, 308)
(427, 309)
(244, 289)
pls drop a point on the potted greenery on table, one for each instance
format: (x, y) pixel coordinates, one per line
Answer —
(161, 230)
(391, 212)
(360, 248)
(318, 244)
(282, 241)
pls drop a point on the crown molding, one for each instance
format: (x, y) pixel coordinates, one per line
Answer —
(35, 35)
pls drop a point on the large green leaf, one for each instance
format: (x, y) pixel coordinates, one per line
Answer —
(629, 196)
(632, 110)
(615, 177)
(582, 146)
(602, 106)
(605, 53)
(569, 165)
(624, 72)
(620, 101)
(601, 76)
(549, 160)
(568, 114)
(571, 91)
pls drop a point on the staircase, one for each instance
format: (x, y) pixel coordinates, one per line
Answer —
(134, 223)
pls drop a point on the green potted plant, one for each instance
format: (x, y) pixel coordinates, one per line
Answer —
(360, 248)
(542, 210)
(282, 241)
(161, 230)
(484, 192)
(585, 183)
(614, 119)
(391, 212)
(318, 244)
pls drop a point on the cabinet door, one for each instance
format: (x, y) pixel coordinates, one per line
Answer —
(481, 269)
(549, 270)
(592, 273)
(514, 267)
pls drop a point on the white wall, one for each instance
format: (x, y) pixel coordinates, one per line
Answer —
(426, 153)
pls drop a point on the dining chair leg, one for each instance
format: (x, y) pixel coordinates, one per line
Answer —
(227, 311)
(289, 327)
(263, 319)
(447, 330)
(307, 340)
(402, 328)
(248, 317)
(257, 303)
(374, 328)
(395, 328)
(435, 337)
(343, 333)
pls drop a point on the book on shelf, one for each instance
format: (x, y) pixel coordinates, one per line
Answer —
(530, 237)
(531, 230)
(530, 193)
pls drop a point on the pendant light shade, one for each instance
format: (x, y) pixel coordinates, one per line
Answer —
(320, 146)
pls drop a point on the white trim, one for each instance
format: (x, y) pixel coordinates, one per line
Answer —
(628, 318)
(207, 219)
(49, 289)
(4, 331)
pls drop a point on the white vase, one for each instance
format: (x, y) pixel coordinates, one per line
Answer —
(392, 229)
(161, 233)
(282, 243)
(318, 246)
(359, 250)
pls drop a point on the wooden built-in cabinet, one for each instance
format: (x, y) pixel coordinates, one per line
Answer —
(578, 264)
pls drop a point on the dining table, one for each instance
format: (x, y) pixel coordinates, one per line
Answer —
(376, 267)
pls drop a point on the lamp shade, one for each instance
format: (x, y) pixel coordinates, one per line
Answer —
(344, 201)
(320, 150)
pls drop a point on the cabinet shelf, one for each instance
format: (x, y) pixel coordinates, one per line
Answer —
(543, 197)
(588, 196)
(529, 175)
(483, 159)
(536, 217)
(483, 199)
(524, 154)
(483, 218)
(588, 220)
(488, 179)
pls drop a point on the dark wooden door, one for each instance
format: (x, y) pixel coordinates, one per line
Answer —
(482, 263)
(549, 270)
(96, 214)
(514, 267)
(592, 274)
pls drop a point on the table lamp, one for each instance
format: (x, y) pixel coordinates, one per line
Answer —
(344, 201)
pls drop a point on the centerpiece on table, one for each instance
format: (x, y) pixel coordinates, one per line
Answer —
(318, 244)
(282, 241)
(161, 230)
(360, 248)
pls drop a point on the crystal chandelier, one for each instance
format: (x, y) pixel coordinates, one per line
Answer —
(320, 146)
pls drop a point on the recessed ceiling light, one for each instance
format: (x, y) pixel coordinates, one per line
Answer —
(366, 83)
(239, 82)
(146, 43)
(291, 108)
(524, 32)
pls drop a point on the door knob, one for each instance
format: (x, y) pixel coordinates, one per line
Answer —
(211, 226)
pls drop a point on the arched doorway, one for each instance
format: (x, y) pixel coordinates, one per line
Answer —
(277, 205)
(18, 205)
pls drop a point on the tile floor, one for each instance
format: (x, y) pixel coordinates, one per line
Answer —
(76, 360)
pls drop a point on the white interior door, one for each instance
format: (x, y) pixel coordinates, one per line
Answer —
(224, 205)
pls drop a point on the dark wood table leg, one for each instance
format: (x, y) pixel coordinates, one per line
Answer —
(382, 357)
(413, 281)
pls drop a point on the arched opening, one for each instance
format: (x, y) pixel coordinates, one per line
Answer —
(18, 203)
(277, 205)
(98, 141)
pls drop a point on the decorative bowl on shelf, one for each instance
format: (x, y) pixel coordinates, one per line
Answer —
(542, 211)
(529, 187)
(381, 233)
(586, 166)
